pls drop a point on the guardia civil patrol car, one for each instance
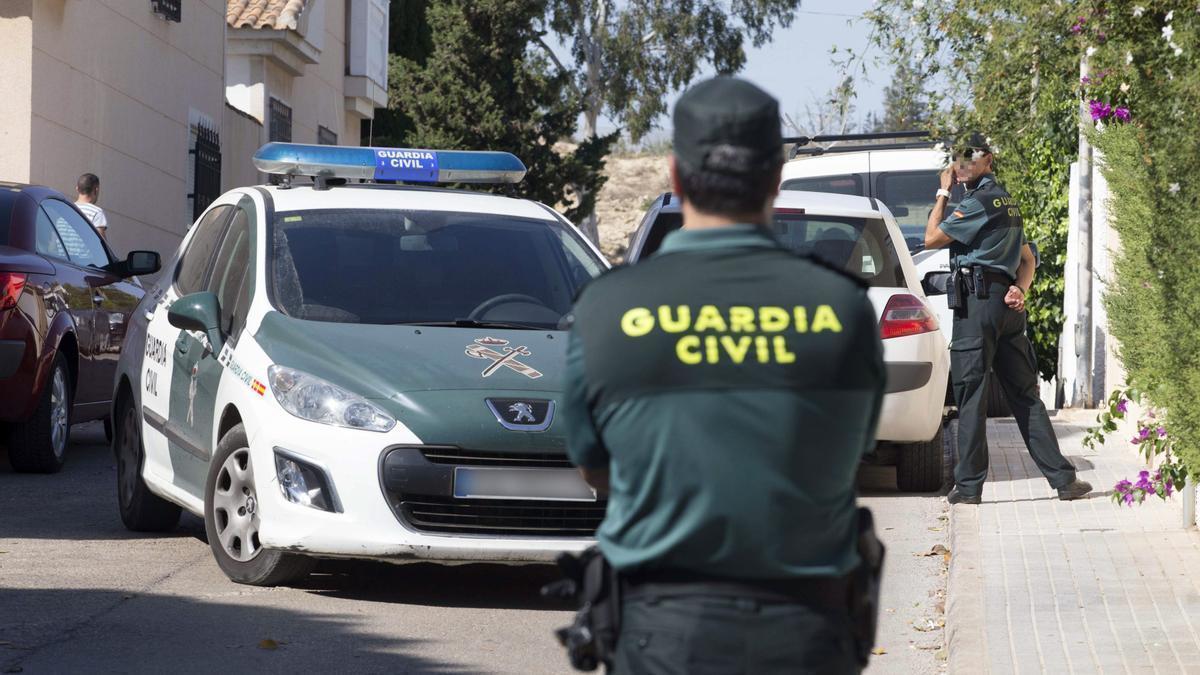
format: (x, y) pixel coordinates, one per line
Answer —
(331, 368)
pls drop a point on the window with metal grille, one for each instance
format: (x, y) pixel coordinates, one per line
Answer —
(206, 158)
(281, 121)
(325, 136)
(171, 10)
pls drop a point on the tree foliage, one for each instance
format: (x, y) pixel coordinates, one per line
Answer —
(1146, 62)
(629, 56)
(485, 86)
(904, 101)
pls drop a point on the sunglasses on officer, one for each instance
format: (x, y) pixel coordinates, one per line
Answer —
(969, 154)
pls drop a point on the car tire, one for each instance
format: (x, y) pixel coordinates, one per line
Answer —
(919, 466)
(231, 520)
(39, 444)
(141, 510)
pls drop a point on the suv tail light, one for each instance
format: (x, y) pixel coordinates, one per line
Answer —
(11, 285)
(906, 315)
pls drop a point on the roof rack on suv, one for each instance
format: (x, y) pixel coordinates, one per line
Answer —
(800, 141)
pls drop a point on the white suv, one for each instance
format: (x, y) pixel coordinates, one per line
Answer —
(905, 179)
(860, 236)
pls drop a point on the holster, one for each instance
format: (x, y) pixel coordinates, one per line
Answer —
(956, 292)
(981, 284)
(594, 586)
(865, 585)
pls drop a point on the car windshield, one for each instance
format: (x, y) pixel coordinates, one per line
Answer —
(861, 246)
(375, 266)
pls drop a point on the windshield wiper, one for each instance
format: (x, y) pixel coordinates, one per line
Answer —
(473, 323)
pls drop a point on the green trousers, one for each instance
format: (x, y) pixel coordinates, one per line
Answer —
(705, 634)
(990, 341)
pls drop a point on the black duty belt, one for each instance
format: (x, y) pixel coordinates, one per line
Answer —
(994, 276)
(825, 591)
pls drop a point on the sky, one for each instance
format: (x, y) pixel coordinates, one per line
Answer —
(796, 67)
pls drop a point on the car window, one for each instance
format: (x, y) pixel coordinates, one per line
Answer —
(48, 241)
(83, 245)
(231, 269)
(847, 184)
(910, 196)
(377, 266)
(860, 246)
(193, 268)
(664, 224)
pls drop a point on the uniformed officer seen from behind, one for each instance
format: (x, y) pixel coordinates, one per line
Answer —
(722, 393)
(995, 269)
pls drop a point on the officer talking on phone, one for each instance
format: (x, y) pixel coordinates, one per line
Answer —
(722, 393)
(992, 268)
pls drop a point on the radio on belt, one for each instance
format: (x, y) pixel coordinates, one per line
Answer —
(409, 165)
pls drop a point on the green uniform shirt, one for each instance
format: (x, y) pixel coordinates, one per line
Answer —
(731, 387)
(986, 228)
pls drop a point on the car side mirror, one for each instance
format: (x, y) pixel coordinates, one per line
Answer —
(199, 312)
(935, 283)
(136, 263)
(1037, 255)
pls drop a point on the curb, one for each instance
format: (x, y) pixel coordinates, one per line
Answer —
(964, 594)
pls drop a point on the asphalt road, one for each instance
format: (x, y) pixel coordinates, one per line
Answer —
(79, 593)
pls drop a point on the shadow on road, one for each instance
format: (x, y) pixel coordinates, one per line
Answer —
(481, 586)
(91, 630)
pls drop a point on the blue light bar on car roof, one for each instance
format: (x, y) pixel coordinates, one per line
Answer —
(400, 164)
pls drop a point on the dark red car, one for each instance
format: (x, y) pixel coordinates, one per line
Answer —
(64, 304)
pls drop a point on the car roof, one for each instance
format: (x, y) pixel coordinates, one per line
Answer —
(875, 161)
(301, 197)
(828, 204)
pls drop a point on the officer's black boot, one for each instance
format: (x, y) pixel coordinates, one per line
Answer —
(956, 497)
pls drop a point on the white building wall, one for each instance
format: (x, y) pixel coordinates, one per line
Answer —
(113, 87)
(16, 115)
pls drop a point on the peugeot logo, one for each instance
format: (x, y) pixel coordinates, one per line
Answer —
(522, 414)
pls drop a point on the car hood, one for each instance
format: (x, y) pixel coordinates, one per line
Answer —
(430, 378)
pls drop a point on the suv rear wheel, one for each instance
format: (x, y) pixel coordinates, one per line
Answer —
(39, 444)
(919, 465)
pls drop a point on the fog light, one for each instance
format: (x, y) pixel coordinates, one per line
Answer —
(303, 483)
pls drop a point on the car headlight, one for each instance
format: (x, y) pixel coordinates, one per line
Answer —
(311, 398)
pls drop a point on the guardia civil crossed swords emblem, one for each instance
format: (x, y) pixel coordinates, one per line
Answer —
(486, 348)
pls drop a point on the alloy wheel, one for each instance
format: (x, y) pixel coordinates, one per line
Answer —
(128, 452)
(59, 414)
(235, 508)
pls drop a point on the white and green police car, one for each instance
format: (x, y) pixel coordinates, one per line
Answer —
(339, 369)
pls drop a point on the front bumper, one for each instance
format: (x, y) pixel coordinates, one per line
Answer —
(407, 513)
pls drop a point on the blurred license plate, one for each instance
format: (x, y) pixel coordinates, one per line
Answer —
(543, 484)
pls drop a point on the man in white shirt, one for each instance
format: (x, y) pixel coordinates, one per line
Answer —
(88, 188)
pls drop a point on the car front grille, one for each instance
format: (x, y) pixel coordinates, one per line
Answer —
(461, 457)
(418, 482)
(502, 517)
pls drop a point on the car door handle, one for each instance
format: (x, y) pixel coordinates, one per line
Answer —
(182, 344)
(98, 299)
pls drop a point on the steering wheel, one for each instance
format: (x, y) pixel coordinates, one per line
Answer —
(505, 299)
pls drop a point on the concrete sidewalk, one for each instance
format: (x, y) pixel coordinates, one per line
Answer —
(1039, 585)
